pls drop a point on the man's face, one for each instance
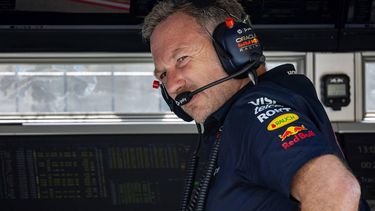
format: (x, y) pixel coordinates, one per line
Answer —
(185, 60)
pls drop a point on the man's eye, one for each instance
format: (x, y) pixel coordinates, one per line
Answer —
(181, 59)
(163, 75)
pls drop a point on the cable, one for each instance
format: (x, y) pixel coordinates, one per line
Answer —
(211, 166)
(199, 195)
(191, 172)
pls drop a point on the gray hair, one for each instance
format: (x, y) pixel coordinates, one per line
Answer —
(208, 17)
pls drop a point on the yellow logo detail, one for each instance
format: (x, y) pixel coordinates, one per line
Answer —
(281, 121)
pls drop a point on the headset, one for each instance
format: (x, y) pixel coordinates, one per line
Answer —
(239, 52)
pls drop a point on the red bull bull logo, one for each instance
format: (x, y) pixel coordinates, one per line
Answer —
(291, 130)
(297, 133)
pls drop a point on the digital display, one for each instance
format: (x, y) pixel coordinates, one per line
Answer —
(360, 152)
(336, 90)
(74, 6)
(73, 12)
(91, 12)
(124, 172)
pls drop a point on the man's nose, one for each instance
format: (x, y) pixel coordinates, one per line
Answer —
(175, 84)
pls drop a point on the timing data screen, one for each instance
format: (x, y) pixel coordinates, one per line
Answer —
(67, 173)
(336, 90)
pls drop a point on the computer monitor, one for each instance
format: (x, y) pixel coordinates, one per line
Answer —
(359, 149)
(93, 172)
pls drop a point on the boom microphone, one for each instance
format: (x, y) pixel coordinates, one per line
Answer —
(185, 97)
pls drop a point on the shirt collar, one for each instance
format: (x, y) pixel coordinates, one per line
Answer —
(285, 69)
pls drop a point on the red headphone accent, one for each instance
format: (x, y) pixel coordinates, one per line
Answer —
(156, 84)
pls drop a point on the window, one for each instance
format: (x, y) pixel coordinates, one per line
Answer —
(369, 83)
(274, 59)
(83, 87)
(44, 86)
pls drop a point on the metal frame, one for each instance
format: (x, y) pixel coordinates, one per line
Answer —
(166, 123)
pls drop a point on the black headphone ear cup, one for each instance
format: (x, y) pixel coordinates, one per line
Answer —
(236, 47)
(173, 106)
(223, 55)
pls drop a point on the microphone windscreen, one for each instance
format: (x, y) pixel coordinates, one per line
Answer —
(183, 98)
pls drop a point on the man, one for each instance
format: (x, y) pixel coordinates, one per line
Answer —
(277, 150)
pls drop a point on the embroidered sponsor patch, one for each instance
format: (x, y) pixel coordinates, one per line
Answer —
(297, 138)
(281, 121)
(291, 130)
(266, 108)
(296, 134)
(269, 113)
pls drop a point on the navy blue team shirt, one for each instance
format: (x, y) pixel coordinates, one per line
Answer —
(269, 131)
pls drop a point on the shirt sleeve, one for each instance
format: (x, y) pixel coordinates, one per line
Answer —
(273, 150)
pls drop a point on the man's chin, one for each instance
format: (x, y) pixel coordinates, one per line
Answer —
(197, 111)
(198, 117)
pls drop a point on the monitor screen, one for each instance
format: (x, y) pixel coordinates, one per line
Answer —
(359, 149)
(74, 6)
(101, 172)
(73, 12)
(337, 90)
(132, 12)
